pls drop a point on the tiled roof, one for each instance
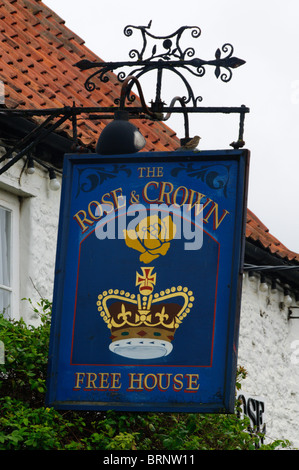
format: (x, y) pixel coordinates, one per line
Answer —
(259, 234)
(37, 57)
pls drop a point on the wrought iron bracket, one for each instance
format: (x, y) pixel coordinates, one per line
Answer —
(25, 145)
(165, 53)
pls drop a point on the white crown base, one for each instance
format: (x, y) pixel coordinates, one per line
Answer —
(136, 348)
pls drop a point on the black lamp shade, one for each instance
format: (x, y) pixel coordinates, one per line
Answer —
(120, 137)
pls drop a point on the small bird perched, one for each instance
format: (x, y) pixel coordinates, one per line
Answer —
(189, 144)
(237, 145)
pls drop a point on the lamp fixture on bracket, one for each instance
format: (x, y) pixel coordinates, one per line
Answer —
(277, 275)
(166, 54)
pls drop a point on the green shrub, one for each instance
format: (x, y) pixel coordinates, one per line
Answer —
(26, 424)
(26, 356)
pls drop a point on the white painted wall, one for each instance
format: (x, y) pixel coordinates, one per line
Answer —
(269, 351)
(38, 221)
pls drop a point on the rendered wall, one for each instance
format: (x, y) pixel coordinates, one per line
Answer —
(269, 351)
(38, 220)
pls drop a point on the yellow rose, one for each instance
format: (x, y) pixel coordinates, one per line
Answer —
(151, 237)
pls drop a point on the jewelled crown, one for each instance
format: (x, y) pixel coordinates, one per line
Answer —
(143, 325)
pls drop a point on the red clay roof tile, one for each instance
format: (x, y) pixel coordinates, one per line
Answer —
(38, 53)
(257, 232)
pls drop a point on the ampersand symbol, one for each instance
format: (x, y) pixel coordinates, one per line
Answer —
(134, 198)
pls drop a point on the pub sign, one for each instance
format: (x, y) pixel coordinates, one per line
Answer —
(148, 281)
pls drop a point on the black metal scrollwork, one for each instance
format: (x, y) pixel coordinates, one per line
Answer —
(164, 53)
(170, 44)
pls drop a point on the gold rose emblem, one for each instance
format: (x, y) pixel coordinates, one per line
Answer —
(151, 237)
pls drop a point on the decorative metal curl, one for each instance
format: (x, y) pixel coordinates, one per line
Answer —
(171, 49)
(170, 57)
(125, 91)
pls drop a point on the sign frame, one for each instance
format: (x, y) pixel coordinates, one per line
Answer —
(59, 367)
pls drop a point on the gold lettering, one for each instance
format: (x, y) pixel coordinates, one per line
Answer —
(167, 381)
(153, 192)
(144, 192)
(91, 378)
(132, 381)
(103, 201)
(103, 380)
(79, 379)
(164, 193)
(184, 196)
(116, 198)
(201, 207)
(146, 385)
(150, 172)
(140, 169)
(82, 221)
(192, 385)
(98, 206)
(177, 382)
(115, 385)
(216, 220)
(199, 197)
(100, 381)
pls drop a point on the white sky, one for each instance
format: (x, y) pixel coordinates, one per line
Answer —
(264, 33)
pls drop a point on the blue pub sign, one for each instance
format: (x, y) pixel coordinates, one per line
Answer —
(148, 277)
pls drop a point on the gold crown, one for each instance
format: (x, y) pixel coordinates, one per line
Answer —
(143, 325)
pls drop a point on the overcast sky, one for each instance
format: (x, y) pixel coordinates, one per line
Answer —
(264, 33)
